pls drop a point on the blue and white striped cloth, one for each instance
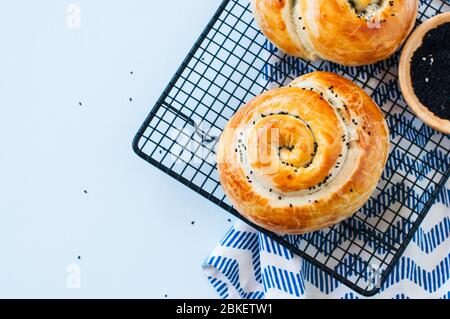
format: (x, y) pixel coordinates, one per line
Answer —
(248, 264)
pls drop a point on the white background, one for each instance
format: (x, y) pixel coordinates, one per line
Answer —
(133, 228)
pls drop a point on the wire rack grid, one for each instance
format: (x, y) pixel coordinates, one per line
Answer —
(232, 62)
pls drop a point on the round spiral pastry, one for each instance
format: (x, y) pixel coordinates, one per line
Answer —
(300, 158)
(348, 32)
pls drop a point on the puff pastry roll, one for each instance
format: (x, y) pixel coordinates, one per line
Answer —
(348, 32)
(300, 158)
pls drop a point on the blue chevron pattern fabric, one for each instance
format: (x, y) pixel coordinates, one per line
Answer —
(249, 264)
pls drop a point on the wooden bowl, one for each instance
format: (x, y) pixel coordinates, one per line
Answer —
(413, 43)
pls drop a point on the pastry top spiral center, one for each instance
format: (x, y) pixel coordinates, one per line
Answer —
(291, 148)
(294, 141)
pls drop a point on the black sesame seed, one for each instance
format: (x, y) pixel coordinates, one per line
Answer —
(279, 198)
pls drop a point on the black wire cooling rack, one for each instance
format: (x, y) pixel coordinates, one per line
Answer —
(229, 64)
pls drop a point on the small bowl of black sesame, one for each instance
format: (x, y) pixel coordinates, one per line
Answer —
(424, 72)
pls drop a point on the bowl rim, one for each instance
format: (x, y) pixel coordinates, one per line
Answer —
(412, 44)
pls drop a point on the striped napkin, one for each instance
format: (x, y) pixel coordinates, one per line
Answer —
(248, 264)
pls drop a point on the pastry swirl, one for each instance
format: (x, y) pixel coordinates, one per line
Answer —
(348, 32)
(300, 158)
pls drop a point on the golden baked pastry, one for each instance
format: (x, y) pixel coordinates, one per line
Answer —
(300, 158)
(348, 32)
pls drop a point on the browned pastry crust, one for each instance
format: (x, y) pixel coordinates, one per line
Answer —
(347, 32)
(304, 157)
